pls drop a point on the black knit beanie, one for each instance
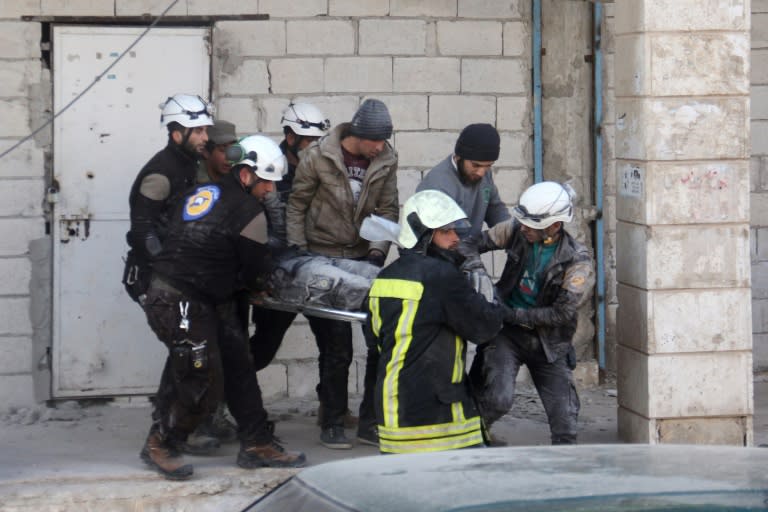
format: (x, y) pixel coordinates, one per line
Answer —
(479, 142)
(372, 121)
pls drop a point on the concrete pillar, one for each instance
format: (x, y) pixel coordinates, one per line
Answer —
(684, 351)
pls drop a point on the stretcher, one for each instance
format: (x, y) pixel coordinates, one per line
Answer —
(309, 309)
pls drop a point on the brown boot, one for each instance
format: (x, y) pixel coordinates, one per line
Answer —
(270, 455)
(163, 458)
(350, 420)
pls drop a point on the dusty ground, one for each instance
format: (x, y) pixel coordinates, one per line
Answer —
(84, 456)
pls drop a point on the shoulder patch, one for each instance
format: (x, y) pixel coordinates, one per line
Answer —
(201, 202)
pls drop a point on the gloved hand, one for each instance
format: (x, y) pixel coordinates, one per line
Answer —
(473, 263)
(376, 257)
(512, 315)
(481, 282)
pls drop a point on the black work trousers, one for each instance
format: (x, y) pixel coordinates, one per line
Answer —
(334, 341)
(271, 326)
(207, 360)
(503, 356)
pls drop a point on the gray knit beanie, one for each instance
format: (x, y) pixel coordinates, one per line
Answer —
(372, 121)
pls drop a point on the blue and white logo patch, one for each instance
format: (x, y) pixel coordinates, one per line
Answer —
(201, 202)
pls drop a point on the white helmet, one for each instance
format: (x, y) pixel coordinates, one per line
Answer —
(305, 119)
(428, 210)
(187, 110)
(261, 154)
(545, 203)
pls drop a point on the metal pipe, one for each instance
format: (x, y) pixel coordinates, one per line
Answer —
(538, 174)
(598, 147)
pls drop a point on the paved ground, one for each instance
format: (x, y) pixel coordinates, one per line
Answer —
(81, 458)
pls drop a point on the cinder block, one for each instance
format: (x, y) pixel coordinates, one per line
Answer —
(392, 37)
(511, 183)
(503, 9)
(516, 39)
(685, 385)
(302, 9)
(24, 197)
(321, 37)
(759, 29)
(710, 128)
(469, 37)
(761, 242)
(513, 113)
(15, 114)
(426, 74)
(289, 76)
(273, 381)
(733, 431)
(423, 149)
(634, 428)
(16, 272)
(409, 112)
(14, 316)
(454, 112)
(16, 76)
(407, 181)
(15, 235)
(246, 77)
(358, 8)
(19, 40)
(76, 8)
(657, 322)
(759, 136)
(416, 8)
(515, 150)
(690, 15)
(759, 102)
(221, 7)
(504, 76)
(250, 38)
(299, 343)
(758, 209)
(760, 352)
(678, 257)
(24, 161)
(760, 281)
(302, 379)
(17, 355)
(371, 74)
(758, 64)
(243, 112)
(17, 391)
(139, 7)
(337, 109)
(674, 193)
(759, 6)
(18, 8)
(760, 313)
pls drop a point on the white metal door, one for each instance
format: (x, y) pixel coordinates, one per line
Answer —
(101, 342)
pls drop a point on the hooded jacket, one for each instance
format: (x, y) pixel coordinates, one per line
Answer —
(322, 216)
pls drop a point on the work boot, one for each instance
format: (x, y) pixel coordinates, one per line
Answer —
(369, 436)
(334, 438)
(161, 456)
(350, 420)
(270, 455)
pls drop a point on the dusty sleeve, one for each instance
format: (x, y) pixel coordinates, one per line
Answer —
(305, 184)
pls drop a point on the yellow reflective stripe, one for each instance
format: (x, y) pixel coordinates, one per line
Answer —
(396, 289)
(373, 306)
(473, 438)
(458, 362)
(430, 431)
(403, 338)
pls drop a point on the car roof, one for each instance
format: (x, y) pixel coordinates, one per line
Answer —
(467, 478)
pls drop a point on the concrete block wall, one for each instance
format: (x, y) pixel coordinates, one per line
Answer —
(438, 65)
(759, 184)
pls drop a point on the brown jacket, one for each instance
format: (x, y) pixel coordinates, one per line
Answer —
(321, 214)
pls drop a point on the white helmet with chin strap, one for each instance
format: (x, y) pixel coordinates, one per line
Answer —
(305, 119)
(261, 154)
(545, 203)
(188, 110)
(426, 211)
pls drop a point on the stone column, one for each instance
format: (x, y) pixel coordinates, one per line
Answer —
(684, 352)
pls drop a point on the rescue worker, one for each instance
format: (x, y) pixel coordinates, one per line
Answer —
(547, 276)
(344, 177)
(466, 176)
(167, 174)
(214, 164)
(217, 236)
(421, 310)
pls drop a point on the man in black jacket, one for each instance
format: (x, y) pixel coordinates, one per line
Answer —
(548, 275)
(216, 244)
(421, 310)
